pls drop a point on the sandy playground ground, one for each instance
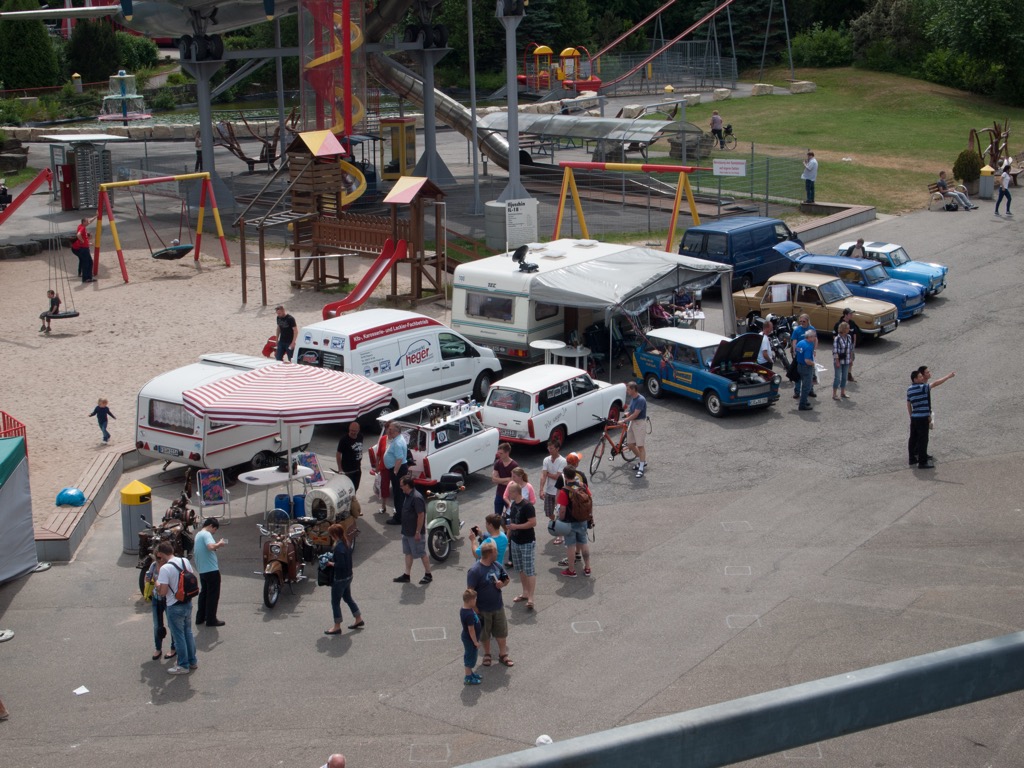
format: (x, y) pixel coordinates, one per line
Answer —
(169, 314)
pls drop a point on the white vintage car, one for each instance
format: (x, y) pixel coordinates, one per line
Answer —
(443, 437)
(548, 401)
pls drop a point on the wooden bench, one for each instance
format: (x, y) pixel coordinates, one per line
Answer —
(937, 196)
(61, 533)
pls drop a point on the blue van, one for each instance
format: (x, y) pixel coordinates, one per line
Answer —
(746, 243)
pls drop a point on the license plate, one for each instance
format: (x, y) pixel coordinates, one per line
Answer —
(167, 450)
(918, 311)
(889, 328)
(508, 433)
(758, 401)
(939, 289)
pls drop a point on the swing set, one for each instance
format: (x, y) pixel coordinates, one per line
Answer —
(58, 281)
(176, 249)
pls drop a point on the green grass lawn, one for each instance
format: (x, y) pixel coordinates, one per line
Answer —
(898, 132)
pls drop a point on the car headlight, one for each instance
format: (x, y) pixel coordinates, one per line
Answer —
(776, 379)
(733, 386)
(878, 321)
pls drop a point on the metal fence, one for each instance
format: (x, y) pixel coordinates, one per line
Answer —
(688, 65)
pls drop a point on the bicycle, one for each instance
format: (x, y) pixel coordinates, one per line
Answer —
(728, 138)
(619, 446)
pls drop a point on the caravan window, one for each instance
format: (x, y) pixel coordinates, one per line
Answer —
(544, 311)
(488, 306)
(172, 417)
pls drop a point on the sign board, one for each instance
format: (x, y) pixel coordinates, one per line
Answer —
(729, 167)
(520, 222)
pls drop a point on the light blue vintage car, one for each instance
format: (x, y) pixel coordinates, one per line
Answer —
(721, 373)
(897, 263)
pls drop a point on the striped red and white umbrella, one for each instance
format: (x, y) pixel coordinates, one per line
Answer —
(286, 393)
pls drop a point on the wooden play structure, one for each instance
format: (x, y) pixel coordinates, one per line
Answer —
(569, 188)
(172, 184)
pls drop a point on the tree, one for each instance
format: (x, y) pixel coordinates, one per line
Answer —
(92, 51)
(27, 56)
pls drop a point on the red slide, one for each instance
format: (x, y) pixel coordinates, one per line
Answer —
(371, 280)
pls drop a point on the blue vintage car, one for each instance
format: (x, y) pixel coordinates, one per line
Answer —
(862, 276)
(897, 263)
(722, 373)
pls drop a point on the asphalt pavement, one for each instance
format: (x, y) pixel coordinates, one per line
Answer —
(760, 550)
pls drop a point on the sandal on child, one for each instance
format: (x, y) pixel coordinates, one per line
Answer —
(487, 660)
(506, 661)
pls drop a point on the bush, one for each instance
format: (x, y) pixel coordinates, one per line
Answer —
(136, 52)
(92, 51)
(960, 70)
(11, 112)
(179, 78)
(823, 47)
(967, 167)
(163, 100)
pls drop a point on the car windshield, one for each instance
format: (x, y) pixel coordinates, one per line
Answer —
(707, 354)
(875, 274)
(509, 400)
(834, 290)
(899, 257)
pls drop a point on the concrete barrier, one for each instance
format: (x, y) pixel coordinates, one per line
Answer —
(802, 86)
(721, 94)
(762, 89)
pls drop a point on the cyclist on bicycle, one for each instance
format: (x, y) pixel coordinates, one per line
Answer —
(716, 128)
(636, 434)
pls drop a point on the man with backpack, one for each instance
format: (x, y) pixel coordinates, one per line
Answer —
(177, 583)
(575, 506)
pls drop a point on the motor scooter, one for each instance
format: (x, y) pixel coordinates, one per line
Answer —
(283, 558)
(176, 527)
(443, 523)
(780, 337)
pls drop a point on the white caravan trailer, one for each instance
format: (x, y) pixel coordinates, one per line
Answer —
(165, 430)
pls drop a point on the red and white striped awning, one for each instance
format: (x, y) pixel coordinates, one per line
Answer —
(286, 393)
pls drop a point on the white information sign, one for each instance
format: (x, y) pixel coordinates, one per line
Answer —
(520, 222)
(730, 167)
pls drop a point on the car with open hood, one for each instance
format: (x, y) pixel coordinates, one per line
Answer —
(721, 373)
(863, 277)
(897, 263)
(822, 297)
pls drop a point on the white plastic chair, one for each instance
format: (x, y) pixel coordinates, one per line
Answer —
(213, 491)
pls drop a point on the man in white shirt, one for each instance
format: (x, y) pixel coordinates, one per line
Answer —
(179, 614)
(765, 356)
(810, 175)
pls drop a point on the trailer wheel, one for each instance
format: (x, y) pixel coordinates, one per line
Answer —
(263, 459)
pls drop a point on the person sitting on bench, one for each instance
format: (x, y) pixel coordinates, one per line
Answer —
(960, 197)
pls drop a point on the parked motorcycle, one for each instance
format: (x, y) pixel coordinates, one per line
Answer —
(285, 552)
(779, 340)
(443, 523)
(177, 527)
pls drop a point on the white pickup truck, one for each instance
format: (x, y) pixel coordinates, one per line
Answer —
(443, 437)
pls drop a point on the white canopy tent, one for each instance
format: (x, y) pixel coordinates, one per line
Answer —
(627, 279)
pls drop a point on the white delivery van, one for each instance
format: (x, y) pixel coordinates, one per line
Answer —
(165, 430)
(417, 356)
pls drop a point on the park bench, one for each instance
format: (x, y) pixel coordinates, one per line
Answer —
(937, 196)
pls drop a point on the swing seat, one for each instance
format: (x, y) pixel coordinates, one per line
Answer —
(63, 315)
(173, 252)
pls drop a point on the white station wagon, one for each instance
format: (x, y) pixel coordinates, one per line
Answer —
(443, 437)
(548, 401)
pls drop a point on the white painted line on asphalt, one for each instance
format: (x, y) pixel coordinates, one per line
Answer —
(742, 620)
(737, 525)
(426, 634)
(586, 627)
(737, 570)
(430, 753)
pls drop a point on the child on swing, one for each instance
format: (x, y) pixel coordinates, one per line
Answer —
(53, 310)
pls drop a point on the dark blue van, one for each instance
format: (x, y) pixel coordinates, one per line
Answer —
(746, 243)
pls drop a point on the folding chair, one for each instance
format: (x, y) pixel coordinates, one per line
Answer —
(310, 461)
(213, 492)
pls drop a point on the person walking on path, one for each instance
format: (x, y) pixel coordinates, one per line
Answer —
(179, 614)
(470, 622)
(810, 175)
(414, 531)
(286, 331)
(102, 413)
(842, 353)
(350, 454)
(1004, 190)
(636, 431)
(522, 528)
(53, 309)
(80, 247)
(159, 609)
(396, 461)
(488, 578)
(919, 406)
(209, 573)
(806, 367)
(341, 580)
(199, 152)
(577, 536)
